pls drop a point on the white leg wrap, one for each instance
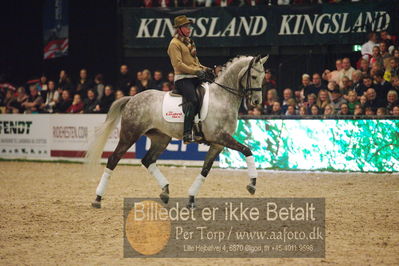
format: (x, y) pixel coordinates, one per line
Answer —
(195, 187)
(252, 173)
(154, 171)
(102, 186)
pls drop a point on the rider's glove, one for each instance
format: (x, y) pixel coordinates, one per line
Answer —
(210, 75)
(200, 74)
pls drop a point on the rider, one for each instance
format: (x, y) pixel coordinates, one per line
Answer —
(188, 71)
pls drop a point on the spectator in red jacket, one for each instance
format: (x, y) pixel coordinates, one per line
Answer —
(77, 105)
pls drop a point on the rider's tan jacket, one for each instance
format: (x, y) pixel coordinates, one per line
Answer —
(182, 60)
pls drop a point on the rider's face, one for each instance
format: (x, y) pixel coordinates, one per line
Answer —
(186, 30)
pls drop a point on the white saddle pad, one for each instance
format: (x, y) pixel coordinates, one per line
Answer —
(173, 112)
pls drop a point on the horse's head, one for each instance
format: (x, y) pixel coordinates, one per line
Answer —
(251, 79)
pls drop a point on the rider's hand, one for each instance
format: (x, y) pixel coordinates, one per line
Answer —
(200, 74)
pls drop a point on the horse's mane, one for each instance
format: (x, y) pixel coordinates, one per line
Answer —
(229, 63)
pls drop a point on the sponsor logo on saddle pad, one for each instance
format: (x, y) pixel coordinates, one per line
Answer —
(174, 115)
(172, 110)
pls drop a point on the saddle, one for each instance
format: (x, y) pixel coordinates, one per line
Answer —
(209, 76)
(200, 91)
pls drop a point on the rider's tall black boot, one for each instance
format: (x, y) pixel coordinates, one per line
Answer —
(188, 123)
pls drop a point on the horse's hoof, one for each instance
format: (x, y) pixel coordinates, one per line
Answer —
(96, 204)
(191, 203)
(164, 197)
(251, 189)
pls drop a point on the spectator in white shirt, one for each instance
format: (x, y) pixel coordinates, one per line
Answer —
(347, 70)
(367, 48)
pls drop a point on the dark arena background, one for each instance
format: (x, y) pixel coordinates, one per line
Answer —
(327, 129)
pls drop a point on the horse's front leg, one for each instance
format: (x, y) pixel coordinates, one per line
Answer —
(213, 152)
(228, 141)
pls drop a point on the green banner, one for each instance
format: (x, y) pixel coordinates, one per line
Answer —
(262, 25)
(333, 145)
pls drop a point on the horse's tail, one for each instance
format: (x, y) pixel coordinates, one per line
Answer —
(102, 133)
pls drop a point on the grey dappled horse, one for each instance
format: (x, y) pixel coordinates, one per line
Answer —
(142, 115)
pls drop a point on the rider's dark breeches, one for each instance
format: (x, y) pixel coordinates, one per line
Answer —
(187, 87)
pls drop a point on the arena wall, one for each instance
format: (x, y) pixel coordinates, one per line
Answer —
(314, 144)
(67, 136)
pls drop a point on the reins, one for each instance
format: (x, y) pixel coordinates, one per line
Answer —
(228, 89)
(247, 89)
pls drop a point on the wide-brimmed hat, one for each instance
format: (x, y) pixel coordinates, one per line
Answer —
(181, 21)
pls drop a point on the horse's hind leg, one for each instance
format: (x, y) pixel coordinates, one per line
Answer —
(127, 139)
(159, 142)
(213, 152)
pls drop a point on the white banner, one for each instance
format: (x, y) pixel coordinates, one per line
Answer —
(71, 135)
(24, 136)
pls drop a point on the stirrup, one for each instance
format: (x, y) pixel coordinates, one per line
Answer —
(188, 138)
(198, 135)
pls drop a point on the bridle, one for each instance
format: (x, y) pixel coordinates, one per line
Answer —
(247, 89)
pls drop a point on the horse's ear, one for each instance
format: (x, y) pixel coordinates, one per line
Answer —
(257, 58)
(264, 59)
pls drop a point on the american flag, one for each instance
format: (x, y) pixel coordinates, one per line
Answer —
(56, 48)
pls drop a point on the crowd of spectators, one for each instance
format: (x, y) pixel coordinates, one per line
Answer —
(83, 96)
(224, 3)
(369, 88)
